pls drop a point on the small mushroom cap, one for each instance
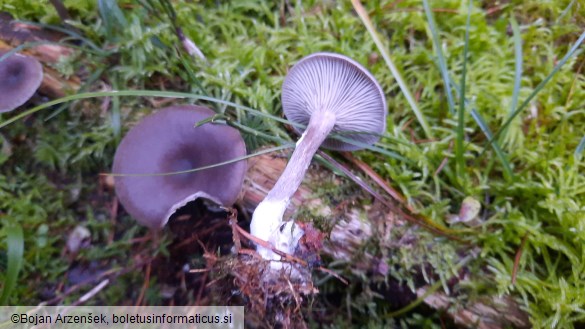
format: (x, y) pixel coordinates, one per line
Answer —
(336, 83)
(167, 141)
(20, 77)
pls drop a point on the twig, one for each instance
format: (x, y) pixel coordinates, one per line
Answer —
(233, 221)
(268, 245)
(145, 285)
(444, 161)
(113, 217)
(202, 287)
(517, 258)
(249, 252)
(375, 177)
(61, 10)
(429, 225)
(92, 292)
(295, 296)
(330, 272)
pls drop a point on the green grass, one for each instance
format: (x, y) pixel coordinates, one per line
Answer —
(495, 89)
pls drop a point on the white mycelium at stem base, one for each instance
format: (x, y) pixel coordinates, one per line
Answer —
(267, 218)
(327, 93)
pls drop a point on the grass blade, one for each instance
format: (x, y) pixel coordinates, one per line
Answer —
(25, 45)
(72, 36)
(401, 83)
(518, 64)
(540, 86)
(517, 72)
(15, 252)
(112, 16)
(172, 94)
(440, 57)
(486, 131)
(579, 150)
(459, 145)
(255, 132)
(141, 93)
(85, 86)
(116, 122)
(565, 12)
(219, 164)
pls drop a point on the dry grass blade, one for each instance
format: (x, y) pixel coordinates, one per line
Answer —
(370, 27)
(376, 178)
(424, 222)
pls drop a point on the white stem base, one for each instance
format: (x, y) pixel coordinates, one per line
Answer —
(267, 225)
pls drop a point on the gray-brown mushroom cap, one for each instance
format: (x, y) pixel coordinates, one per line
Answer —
(336, 83)
(20, 77)
(167, 141)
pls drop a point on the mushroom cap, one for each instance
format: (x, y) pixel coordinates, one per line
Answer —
(336, 83)
(167, 141)
(20, 77)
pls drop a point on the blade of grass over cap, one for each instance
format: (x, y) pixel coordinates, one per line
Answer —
(460, 146)
(152, 93)
(540, 86)
(15, 251)
(401, 83)
(211, 119)
(141, 93)
(440, 57)
(268, 150)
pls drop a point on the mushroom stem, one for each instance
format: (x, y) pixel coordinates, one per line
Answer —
(320, 125)
(267, 218)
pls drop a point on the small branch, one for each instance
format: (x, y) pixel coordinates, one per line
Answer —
(61, 10)
(517, 258)
(376, 178)
(333, 274)
(145, 285)
(92, 292)
(233, 221)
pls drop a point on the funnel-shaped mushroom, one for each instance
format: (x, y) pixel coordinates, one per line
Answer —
(327, 93)
(20, 77)
(165, 142)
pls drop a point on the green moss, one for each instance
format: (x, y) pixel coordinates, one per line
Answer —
(49, 177)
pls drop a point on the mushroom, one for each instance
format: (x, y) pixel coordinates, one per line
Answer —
(165, 142)
(20, 77)
(326, 93)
